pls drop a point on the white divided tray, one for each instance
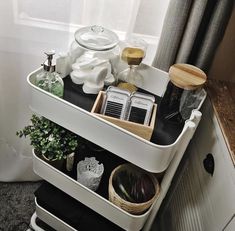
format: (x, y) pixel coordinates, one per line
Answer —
(145, 154)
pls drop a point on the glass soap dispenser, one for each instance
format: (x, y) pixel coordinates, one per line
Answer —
(48, 79)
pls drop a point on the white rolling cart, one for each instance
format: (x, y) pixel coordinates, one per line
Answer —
(145, 154)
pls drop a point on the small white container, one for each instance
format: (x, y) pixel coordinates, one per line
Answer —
(89, 173)
(63, 66)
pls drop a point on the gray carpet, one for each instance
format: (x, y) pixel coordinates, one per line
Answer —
(16, 205)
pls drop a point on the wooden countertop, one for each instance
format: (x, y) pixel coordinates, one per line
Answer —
(222, 95)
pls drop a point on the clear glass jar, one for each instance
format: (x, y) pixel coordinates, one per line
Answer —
(51, 82)
(183, 93)
(97, 42)
(96, 38)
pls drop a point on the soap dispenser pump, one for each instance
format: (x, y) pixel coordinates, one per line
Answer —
(49, 64)
(48, 79)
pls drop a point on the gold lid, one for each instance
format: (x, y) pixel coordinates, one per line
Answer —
(187, 76)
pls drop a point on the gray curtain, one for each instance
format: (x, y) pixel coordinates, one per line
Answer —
(191, 32)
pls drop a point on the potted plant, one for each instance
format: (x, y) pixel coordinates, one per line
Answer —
(51, 142)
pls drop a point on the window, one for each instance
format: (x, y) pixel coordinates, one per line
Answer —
(141, 17)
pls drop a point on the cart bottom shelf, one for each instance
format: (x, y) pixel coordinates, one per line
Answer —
(68, 210)
(37, 224)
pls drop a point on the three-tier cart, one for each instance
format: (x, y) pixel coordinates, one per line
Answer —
(120, 143)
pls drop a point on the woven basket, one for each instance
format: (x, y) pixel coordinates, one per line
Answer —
(133, 208)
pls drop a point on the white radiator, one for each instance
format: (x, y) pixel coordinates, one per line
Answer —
(181, 213)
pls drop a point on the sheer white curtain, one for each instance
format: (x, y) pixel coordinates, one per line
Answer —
(27, 29)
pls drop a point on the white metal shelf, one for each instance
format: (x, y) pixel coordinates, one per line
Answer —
(89, 198)
(100, 204)
(143, 153)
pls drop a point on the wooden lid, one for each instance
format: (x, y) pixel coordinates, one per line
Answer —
(187, 76)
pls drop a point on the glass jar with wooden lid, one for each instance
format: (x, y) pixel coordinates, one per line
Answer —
(183, 93)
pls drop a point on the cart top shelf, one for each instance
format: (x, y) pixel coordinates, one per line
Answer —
(73, 113)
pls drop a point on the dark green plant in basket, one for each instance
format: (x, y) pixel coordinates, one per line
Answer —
(49, 139)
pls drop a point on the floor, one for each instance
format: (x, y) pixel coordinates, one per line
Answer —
(16, 205)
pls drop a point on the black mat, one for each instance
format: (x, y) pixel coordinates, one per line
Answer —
(71, 211)
(163, 134)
